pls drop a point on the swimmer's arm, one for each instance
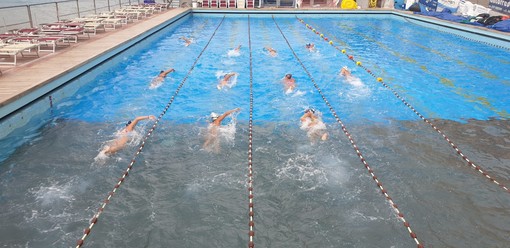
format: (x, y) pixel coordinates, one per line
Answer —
(167, 71)
(137, 119)
(306, 115)
(223, 116)
(228, 76)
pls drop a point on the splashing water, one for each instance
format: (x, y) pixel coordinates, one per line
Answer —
(231, 82)
(233, 53)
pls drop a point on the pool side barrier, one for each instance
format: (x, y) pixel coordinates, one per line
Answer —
(380, 80)
(353, 143)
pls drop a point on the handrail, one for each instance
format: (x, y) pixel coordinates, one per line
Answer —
(36, 4)
(8, 22)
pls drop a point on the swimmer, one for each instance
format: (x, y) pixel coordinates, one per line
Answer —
(271, 51)
(289, 83)
(345, 72)
(351, 79)
(119, 143)
(159, 79)
(186, 40)
(314, 126)
(225, 80)
(234, 52)
(212, 141)
(310, 47)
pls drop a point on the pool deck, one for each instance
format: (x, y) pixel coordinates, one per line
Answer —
(32, 77)
(32, 73)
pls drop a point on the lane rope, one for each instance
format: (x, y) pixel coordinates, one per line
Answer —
(353, 144)
(251, 213)
(96, 216)
(380, 80)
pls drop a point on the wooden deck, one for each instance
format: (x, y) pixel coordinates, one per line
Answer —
(26, 82)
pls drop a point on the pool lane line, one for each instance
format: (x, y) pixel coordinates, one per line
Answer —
(458, 35)
(483, 72)
(481, 100)
(96, 216)
(449, 43)
(251, 213)
(380, 80)
(353, 144)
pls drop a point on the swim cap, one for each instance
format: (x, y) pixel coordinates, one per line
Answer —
(310, 110)
(127, 124)
(214, 116)
(288, 75)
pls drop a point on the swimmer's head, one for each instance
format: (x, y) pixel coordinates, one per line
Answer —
(161, 71)
(310, 110)
(288, 76)
(345, 68)
(127, 124)
(214, 116)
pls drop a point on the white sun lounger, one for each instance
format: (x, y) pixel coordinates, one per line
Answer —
(14, 49)
(93, 27)
(111, 23)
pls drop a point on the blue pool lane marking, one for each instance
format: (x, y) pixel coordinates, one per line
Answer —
(353, 143)
(380, 80)
(96, 216)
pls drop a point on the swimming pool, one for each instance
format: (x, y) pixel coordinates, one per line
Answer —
(305, 195)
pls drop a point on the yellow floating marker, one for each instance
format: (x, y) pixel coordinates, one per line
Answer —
(358, 63)
(313, 29)
(379, 79)
(322, 35)
(331, 42)
(343, 50)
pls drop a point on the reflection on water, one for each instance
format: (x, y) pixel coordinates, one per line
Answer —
(305, 195)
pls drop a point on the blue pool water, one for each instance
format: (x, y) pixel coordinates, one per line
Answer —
(319, 195)
(444, 77)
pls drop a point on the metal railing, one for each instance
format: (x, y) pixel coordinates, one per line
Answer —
(30, 16)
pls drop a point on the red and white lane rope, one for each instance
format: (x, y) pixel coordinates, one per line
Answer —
(353, 143)
(251, 213)
(96, 216)
(380, 80)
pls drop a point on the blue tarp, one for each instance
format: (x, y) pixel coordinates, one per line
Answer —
(444, 16)
(501, 26)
